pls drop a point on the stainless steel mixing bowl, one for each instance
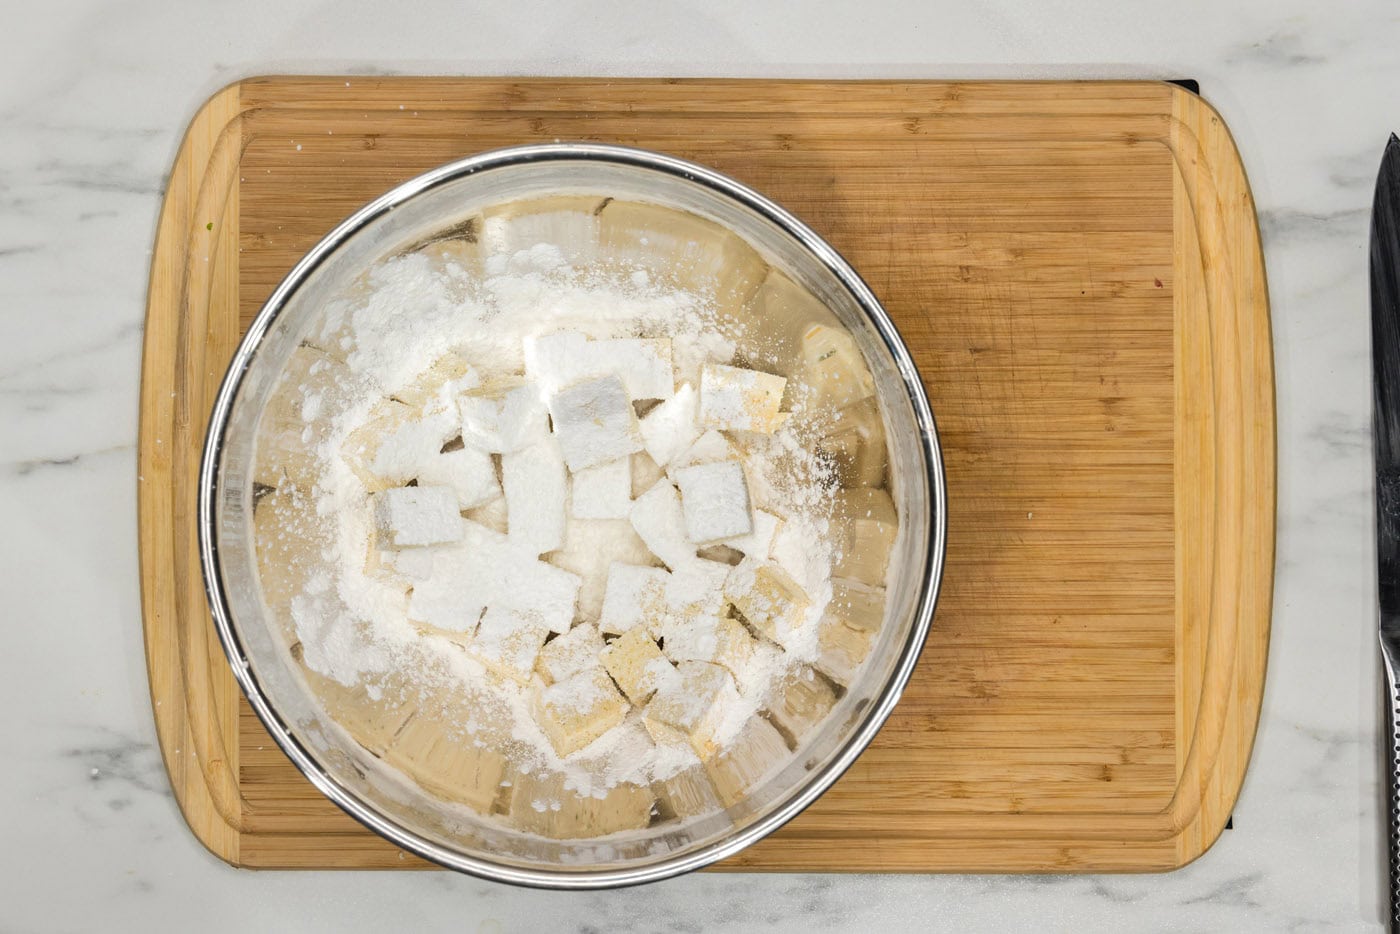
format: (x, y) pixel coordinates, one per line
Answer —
(352, 777)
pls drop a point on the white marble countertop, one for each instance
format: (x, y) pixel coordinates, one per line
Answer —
(94, 98)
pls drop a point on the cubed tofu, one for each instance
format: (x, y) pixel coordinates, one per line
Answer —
(485, 569)
(542, 591)
(865, 525)
(504, 420)
(441, 603)
(537, 490)
(416, 440)
(719, 640)
(545, 805)
(637, 665)
(447, 762)
(670, 428)
(694, 591)
(855, 445)
(660, 521)
(570, 653)
(470, 472)
(417, 515)
(415, 564)
(594, 422)
(842, 647)
(715, 501)
(591, 547)
(643, 365)
(721, 553)
(688, 793)
(553, 361)
(577, 710)
(694, 707)
(758, 544)
(602, 492)
(858, 605)
(709, 448)
(508, 643)
(799, 703)
(635, 596)
(757, 752)
(770, 600)
(736, 399)
(833, 368)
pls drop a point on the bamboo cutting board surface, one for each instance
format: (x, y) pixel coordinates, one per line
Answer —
(1076, 269)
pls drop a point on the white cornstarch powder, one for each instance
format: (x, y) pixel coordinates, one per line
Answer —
(479, 416)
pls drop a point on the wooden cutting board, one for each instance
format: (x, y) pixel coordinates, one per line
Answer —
(1076, 268)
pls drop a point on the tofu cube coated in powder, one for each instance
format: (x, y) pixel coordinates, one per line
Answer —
(536, 488)
(633, 598)
(715, 500)
(693, 707)
(637, 665)
(417, 515)
(670, 428)
(642, 364)
(570, 653)
(595, 422)
(602, 492)
(659, 520)
(708, 448)
(591, 547)
(843, 648)
(470, 472)
(769, 599)
(503, 423)
(508, 643)
(758, 544)
(736, 399)
(576, 711)
(719, 640)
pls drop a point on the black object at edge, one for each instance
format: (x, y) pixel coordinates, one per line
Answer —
(1190, 84)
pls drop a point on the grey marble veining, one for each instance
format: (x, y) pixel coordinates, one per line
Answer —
(93, 99)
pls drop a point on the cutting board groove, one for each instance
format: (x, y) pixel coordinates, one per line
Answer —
(1076, 269)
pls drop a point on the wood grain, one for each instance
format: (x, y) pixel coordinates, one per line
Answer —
(1076, 269)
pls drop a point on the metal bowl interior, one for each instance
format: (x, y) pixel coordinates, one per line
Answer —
(357, 781)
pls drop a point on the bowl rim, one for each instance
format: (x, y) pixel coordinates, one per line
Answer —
(798, 798)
